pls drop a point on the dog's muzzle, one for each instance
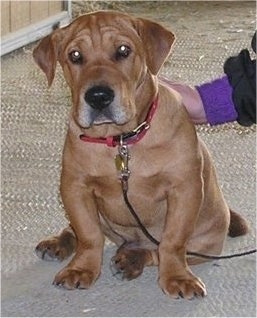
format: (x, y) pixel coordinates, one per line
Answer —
(102, 106)
(99, 97)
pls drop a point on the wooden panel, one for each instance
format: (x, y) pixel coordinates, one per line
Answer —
(26, 21)
(55, 7)
(20, 14)
(5, 17)
(38, 10)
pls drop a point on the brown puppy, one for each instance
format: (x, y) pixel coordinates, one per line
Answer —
(110, 61)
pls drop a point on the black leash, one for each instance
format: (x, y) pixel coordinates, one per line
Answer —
(153, 240)
(141, 225)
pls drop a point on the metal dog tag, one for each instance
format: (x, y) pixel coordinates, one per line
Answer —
(119, 162)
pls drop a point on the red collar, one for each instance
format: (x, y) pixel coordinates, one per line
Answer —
(126, 138)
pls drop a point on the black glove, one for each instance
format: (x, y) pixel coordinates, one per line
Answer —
(241, 73)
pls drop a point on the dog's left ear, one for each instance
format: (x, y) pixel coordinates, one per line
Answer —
(158, 42)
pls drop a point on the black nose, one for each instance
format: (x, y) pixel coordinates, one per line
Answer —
(99, 97)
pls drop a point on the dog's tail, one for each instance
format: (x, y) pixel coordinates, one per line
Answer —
(238, 226)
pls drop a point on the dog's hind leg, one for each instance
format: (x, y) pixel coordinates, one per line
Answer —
(57, 248)
(129, 261)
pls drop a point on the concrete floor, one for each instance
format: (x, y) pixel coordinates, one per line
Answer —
(33, 129)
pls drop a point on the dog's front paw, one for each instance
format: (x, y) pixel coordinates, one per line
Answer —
(69, 278)
(52, 250)
(180, 287)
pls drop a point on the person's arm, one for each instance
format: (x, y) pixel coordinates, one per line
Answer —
(207, 103)
(229, 98)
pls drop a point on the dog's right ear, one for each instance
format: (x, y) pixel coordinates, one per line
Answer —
(46, 54)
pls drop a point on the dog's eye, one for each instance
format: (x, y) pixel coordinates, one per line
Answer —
(122, 52)
(75, 57)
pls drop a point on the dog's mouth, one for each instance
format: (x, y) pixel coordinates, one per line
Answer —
(89, 117)
(99, 117)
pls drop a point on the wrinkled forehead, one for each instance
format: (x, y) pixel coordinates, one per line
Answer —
(101, 27)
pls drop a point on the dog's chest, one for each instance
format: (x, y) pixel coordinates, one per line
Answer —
(147, 200)
(145, 175)
(147, 188)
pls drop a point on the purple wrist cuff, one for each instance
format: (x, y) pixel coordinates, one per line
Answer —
(217, 101)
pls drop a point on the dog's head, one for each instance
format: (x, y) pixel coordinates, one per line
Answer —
(106, 58)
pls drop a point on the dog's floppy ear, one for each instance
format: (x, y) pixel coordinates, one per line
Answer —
(46, 53)
(158, 42)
